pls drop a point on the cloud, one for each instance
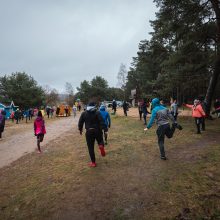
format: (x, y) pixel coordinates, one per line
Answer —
(70, 40)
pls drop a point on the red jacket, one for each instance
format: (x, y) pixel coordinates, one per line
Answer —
(197, 111)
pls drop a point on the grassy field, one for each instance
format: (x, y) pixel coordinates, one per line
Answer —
(131, 182)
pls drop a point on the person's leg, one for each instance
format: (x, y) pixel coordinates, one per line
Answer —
(203, 123)
(169, 131)
(197, 122)
(106, 137)
(0, 134)
(90, 139)
(160, 135)
(38, 143)
(140, 114)
(99, 139)
(145, 118)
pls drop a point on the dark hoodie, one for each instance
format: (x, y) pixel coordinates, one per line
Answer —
(92, 119)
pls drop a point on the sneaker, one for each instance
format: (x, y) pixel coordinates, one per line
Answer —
(39, 151)
(163, 158)
(102, 150)
(92, 164)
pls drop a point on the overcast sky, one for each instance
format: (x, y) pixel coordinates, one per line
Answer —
(59, 41)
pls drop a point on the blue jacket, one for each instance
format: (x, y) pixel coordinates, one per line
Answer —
(105, 115)
(160, 113)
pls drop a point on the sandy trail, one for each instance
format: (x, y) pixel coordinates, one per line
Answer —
(20, 144)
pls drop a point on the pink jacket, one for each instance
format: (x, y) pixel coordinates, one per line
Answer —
(39, 126)
(197, 111)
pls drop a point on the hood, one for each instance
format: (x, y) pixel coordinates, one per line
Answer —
(39, 118)
(155, 102)
(90, 108)
(102, 108)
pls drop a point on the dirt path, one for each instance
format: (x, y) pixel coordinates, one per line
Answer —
(20, 144)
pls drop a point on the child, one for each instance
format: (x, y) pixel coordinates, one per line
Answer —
(197, 113)
(39, 129)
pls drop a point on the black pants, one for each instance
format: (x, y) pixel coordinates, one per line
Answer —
(145, 118)
(198, 122)
(91, 136)
(140, 114)
(125, 112)
(161, 132)
(203, 123)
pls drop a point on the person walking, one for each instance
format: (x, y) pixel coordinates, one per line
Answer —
(174, 109)
(106, 117)
(145, 105)
(163, 117)
(39, 129)
(140, 103)
(197, 113)
(125, 108)
(74, 111)
(114, 107)
(94, 124)
(2, 123)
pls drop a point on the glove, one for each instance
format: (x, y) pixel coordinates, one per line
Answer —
(80, 132)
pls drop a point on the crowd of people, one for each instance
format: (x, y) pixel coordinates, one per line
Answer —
(97, 121)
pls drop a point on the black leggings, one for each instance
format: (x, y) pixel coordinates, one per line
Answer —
(199, 122)
(161, 132)
(91, 136)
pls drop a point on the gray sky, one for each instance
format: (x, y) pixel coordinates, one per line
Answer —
(59, 41)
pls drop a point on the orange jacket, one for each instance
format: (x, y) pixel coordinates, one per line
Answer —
(197, 111)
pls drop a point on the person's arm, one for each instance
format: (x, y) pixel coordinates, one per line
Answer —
(109, 120)
(170, 116)
(81, 122)
(189, 106)
(35, 127)
(101, 120)
(152, 118)
(200, 109)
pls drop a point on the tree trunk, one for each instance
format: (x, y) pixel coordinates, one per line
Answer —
(214, 78)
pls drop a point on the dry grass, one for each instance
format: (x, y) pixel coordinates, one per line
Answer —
(131, 182)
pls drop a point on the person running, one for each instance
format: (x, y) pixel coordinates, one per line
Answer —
(162, 116)
(94, 124)
(197, 113)
(106, 117)
(2, 123)
(39, 129)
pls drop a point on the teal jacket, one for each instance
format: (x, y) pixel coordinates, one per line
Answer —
(159, 113)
